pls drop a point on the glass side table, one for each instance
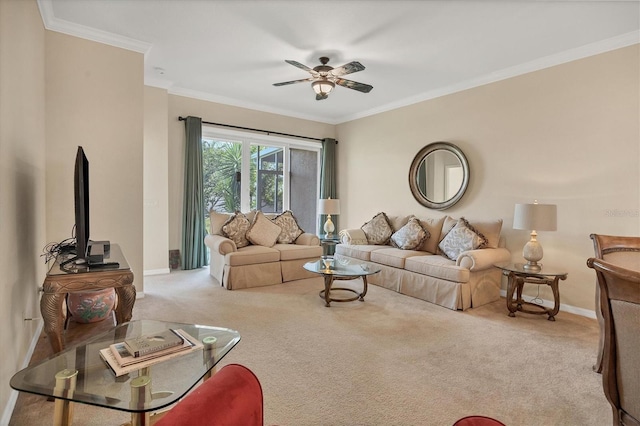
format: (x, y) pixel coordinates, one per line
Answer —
(518, 276)
(328, 244)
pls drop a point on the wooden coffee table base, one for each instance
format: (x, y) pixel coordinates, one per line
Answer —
(328, 282)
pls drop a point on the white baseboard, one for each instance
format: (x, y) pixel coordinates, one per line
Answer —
(566, 308)
(162, 271)
(13, 395)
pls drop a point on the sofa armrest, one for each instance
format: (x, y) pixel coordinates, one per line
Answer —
(481, 259)
(308, 239)
(220, 244)
(353, 236)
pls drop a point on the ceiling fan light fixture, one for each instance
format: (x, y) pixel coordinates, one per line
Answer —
(323, 87)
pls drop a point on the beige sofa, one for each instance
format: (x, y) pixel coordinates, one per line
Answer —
(253, 252)
(468, 279)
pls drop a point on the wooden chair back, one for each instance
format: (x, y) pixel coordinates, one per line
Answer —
(620, 304)
(622, 251)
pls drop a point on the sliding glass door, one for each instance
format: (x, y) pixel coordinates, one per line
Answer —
(243, 172)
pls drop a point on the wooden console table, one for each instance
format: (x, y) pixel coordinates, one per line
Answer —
(60, 282)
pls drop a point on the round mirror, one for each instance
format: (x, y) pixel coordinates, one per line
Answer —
(439, 175)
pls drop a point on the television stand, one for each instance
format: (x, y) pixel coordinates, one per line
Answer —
(74, 278)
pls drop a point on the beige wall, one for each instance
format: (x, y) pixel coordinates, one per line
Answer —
(567, 135)
(94, 98)
(156, 181)
(182, 107)
(22, 184)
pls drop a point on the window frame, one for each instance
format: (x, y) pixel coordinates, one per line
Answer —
(246, 139)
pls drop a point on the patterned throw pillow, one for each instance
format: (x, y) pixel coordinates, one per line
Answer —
(410, 236)
(461, 238)
(236, 229)
(289, 225)
(378, 230)
(263, 231)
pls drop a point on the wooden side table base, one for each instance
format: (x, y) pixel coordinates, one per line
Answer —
(516, 284)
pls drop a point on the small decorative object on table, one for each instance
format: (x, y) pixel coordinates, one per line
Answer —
(327, 261)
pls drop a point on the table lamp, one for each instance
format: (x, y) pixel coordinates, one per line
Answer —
(534, 217)
(329, 206)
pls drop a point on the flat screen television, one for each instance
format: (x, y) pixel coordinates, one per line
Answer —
(81, 199)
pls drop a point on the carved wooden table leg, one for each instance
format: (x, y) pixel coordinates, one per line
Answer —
(126, 299)
(556, 297)
(511, 287)
(52, 315)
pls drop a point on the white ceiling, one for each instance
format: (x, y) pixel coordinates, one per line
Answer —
(233, 51)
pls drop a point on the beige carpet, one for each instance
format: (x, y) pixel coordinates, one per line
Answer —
(392, 360)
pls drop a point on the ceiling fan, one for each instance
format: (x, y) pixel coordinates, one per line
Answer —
(324, 77)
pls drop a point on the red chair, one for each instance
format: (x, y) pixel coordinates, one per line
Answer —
(232, 396)
(478, 421)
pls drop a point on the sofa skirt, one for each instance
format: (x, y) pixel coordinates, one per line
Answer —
(247, 276)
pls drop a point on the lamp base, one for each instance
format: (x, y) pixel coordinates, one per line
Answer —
(532, 252)
(329, 227)
(532, 266)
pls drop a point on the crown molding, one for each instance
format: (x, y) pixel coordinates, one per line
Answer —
(61, 26)
(585, 51)
(203, 96)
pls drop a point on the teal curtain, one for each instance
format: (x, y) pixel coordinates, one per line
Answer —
(328, 184)
(193, 229)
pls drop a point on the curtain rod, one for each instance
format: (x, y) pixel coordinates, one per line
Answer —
(269, 132)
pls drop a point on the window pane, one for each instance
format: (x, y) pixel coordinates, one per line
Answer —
(267, 193)
(221, 161)
(303, 187)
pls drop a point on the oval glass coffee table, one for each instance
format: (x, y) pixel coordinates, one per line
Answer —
(341, 269)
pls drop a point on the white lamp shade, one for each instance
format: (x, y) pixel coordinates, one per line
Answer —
(329, 206)
(538, 217)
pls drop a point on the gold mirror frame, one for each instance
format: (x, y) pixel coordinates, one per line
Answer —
(414, 181)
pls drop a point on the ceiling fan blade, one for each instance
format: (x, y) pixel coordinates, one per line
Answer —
(301, 66)
(285, 83)
(349, 68)
(360, 87)
(320, 97)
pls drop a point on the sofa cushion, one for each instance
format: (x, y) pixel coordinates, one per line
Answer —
(392, 256)
(295, 251)
(378, 230)
(434, 226)
(461, 238)
(360, 251)
(263, 231)
(290, 230)
(398, 222)
(235, 228)
(438, 267)
(217, 221)
(250, 255)
(410, 236)
(490, 229)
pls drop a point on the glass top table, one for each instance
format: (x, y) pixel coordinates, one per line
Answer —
(95, 383)
(518, 275)
(340, 268)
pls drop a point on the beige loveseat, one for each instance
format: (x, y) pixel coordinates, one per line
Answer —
(253, 249)
(442, 260)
